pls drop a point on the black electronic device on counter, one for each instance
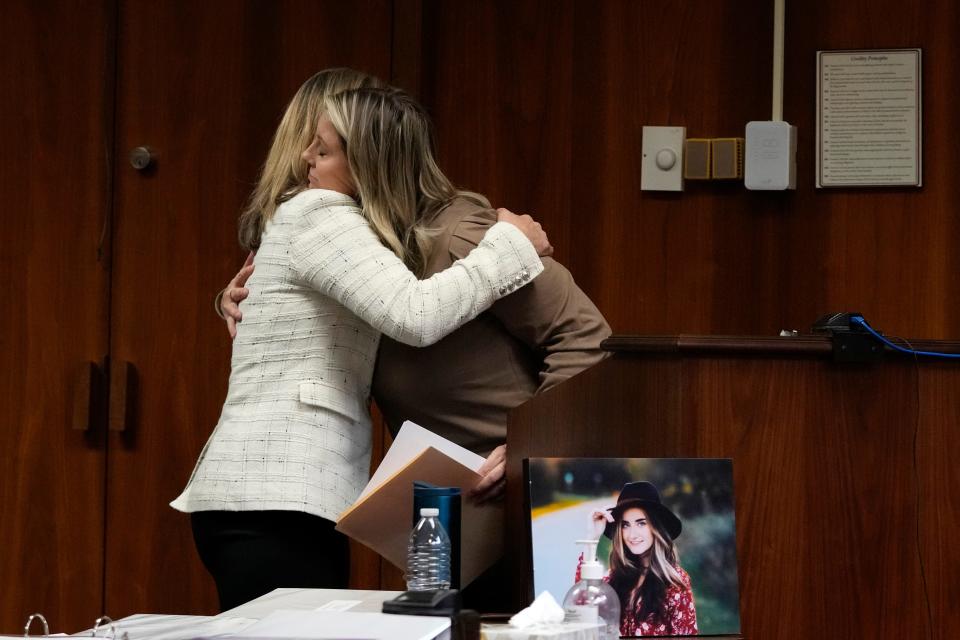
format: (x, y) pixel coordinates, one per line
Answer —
(837, 323)
(464, 623)
(438, 602)
(851, 341)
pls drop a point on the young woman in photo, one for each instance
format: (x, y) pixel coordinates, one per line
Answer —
(656, 598)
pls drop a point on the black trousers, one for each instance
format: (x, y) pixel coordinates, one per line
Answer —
(250, 553)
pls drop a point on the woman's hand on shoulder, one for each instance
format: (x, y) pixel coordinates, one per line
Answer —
(599, 521)
(234, 294)
(530, 228)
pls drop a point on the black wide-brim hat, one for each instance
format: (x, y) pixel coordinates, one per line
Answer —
(644, 496)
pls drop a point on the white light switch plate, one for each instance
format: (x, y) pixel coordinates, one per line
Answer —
(667, 143)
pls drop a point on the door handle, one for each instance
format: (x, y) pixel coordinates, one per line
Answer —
(88, 397)
(141, 157)
(122, 383)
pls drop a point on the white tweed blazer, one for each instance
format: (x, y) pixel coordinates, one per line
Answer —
(294, 433)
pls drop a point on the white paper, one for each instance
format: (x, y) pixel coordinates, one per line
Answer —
(157, 626)
(869, 118)
(345, 625)
(338, 605)
(308, 600)
(411, 441)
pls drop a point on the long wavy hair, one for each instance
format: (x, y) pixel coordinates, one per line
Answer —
(388, 141)
(284, 173)
(657, 567)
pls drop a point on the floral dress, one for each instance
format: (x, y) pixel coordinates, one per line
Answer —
(677, 615)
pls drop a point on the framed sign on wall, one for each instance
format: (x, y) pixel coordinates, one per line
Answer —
(869, 118)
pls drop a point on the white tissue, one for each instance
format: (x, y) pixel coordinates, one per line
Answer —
(543, 610)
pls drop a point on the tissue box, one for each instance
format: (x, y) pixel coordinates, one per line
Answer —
(562, 631)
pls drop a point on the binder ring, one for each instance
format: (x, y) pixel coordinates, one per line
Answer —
(43, 621)
(102, 620)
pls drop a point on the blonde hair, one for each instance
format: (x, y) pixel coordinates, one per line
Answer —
(284, 173)
(388, 141)
(659, 573)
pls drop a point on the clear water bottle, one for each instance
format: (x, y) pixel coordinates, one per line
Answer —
(428, 554)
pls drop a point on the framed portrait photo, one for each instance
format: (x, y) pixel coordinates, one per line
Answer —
(666, 535)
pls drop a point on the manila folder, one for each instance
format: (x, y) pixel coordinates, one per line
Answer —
(382, 519)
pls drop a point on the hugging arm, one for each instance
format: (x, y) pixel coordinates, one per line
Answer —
(339, 255)
(551, 315)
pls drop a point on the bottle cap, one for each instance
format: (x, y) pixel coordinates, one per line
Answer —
(428, 512)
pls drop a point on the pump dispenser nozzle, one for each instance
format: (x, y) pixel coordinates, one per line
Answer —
(591, 569)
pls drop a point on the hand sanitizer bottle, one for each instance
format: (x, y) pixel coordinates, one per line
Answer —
(592, 599)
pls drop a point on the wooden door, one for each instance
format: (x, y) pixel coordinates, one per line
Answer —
(203, 85)
(56, 124)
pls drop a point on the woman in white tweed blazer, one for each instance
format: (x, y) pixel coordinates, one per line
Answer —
(292, 447)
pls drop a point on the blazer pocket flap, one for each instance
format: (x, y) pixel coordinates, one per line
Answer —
(320, 394)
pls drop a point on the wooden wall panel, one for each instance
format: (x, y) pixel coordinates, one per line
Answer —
(887, 252)
(661, 263)
(937, 452)
(55, 125)
(541, 105)
(496, 79)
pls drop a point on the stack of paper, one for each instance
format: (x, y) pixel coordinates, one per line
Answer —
(344, 625)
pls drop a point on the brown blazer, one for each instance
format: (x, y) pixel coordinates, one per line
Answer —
(463, 386)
